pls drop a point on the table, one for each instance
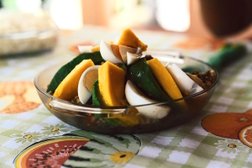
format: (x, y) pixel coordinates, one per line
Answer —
(30, 133)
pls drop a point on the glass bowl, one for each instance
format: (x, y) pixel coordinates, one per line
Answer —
(129, 119)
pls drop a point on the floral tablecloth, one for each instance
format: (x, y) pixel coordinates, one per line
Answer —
(31, 136)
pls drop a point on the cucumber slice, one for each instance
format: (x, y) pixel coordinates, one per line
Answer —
(96, 100)
(227, 54)
(141, 75)
(67, 68)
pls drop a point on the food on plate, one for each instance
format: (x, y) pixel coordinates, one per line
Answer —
(120, 75)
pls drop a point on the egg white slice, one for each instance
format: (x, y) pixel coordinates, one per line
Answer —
(107, 53)
(131, 58)
(85, 48)
(184, 82)
(123, 50)
(86, 83)
(134, 97)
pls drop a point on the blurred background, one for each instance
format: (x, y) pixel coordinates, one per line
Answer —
(209, 18)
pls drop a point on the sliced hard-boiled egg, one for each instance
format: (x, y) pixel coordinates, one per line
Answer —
(110, 52)
(134, 97)
(123, 50)
(86, 83)
(88, 48)
(184, 82)
(131, 58)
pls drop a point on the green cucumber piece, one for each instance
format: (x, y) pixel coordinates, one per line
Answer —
(227, 54)
(141, 75)
(96, 100)
(67, 68)
(224, 56)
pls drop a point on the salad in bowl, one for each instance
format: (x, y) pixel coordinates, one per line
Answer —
(121, 87)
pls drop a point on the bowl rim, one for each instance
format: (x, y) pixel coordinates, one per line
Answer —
(118, 109)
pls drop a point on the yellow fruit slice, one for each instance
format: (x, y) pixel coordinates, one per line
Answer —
(164, 78)
(67, 89)
(128, 38)
(111, 84)
(245, 136)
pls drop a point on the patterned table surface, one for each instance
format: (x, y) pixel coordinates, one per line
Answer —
(31, 136)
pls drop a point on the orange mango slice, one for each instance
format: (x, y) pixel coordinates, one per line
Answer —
(67, 89)
(128, 38)
(111, 84)
(164, 78)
